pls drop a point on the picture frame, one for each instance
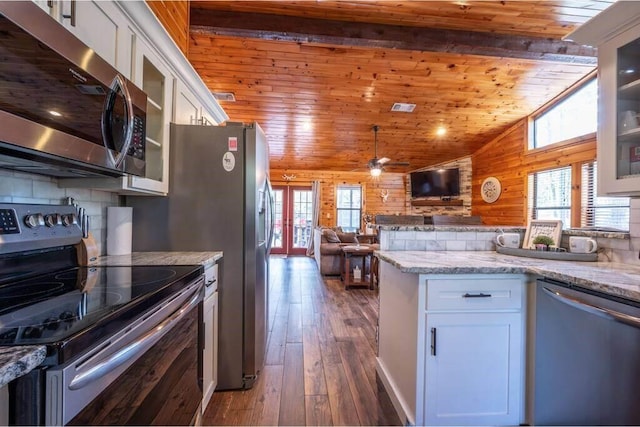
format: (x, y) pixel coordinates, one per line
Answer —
(542, 227)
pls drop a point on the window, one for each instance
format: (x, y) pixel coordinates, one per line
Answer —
(601, 211)
(550, 195)
(349, 206)
(574, 116)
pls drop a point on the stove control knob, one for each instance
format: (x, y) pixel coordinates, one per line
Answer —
(52, 220)
(32, 332)
(67, 316)
(34, 220)
(69, 220)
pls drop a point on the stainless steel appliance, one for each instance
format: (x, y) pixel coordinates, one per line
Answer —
(220, 199)
(110, 332)
(64, 111)
(587, 357)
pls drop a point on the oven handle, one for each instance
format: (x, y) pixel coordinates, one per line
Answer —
(135, 348)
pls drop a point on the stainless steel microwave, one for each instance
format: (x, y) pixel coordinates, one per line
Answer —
(64, 111)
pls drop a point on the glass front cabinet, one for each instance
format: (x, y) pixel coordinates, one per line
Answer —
(619, 114)
(616, 34)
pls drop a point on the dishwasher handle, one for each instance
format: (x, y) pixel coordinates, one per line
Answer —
(593, 309)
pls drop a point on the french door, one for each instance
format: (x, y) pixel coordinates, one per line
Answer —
(292, 217)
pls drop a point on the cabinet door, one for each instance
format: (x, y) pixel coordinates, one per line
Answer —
(102, 27)
(210, 354)
(619, 115)
(186, 106)
(154, 77)
(45, 5)
(473, 369)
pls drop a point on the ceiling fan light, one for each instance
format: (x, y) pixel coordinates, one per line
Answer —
(375, 171)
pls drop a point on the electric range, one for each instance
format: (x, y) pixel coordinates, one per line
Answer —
(82, 314)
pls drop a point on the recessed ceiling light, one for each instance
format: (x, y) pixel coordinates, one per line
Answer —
(224, 96)
(55, 113)
(403, 108)
(441, 131)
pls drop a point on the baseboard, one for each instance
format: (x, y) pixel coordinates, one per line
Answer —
(399, 404)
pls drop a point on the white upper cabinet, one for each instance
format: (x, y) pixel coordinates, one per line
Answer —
(186, 105)
(100, 25)
(616, 33)
(152, 75)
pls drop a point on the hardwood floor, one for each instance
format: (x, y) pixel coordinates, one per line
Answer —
(320, 363)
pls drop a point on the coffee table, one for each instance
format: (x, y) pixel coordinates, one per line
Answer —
(350, 255)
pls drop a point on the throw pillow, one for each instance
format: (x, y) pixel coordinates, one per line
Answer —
(330, 235)
(347, 237)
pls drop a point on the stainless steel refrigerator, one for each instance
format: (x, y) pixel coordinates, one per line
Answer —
(220, 198)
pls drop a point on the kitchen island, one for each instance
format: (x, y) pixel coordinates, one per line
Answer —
(445, 314)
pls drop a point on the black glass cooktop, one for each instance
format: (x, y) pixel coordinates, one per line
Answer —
(70, 310)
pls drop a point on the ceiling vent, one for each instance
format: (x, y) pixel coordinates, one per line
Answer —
(224, 96)
(403, 108)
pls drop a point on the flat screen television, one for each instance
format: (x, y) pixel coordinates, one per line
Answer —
(435, 183)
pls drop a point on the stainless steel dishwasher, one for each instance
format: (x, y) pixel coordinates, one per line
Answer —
(587, 357)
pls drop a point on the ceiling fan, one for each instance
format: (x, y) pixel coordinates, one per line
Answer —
(375, 165)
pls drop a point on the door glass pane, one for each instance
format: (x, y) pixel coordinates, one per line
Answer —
(302, 215)
(277, 219)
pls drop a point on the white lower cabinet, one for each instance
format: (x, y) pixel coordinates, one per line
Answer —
(471, 355)
(210, 355)
(472, 369)
(210, 326)
(451, 346)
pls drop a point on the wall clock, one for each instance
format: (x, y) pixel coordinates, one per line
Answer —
(490, 189)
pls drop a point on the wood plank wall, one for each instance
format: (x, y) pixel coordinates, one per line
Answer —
(174, 17)
(508, 159)
(395, 183)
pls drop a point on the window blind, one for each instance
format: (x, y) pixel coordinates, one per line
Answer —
(550, 195)
(610, 212)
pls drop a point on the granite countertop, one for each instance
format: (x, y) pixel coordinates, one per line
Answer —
(17, 361)
(612, 278)
(160, 258)
(608, 234)
(430, 227)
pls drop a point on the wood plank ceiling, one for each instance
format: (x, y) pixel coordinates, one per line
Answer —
(318, 74)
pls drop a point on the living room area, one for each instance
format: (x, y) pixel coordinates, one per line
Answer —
(352, 203)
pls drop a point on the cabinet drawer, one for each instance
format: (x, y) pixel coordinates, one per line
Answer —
(211, 277)
(474, 294)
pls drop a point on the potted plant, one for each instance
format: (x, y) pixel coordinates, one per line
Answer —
(542, 243)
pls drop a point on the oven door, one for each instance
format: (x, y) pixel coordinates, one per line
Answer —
(133, 377)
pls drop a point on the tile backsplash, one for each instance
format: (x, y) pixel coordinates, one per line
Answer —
(16, 187)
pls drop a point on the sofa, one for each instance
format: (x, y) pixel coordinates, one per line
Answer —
(327, 244)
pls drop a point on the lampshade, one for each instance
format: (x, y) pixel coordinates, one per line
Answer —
(375, 171)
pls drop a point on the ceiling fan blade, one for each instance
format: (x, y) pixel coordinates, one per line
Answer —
(398, 164)
(383, 160)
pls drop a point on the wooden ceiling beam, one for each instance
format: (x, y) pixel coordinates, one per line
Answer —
(307, 30)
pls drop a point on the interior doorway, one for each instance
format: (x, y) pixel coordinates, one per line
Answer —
(292, 218)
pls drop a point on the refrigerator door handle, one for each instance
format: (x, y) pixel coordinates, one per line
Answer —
(270, 210)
